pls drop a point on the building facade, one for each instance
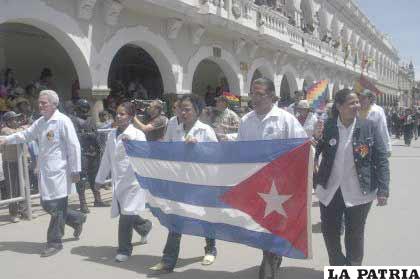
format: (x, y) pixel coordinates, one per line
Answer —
(188, 46)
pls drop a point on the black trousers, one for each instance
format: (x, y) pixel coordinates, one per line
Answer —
(11, 187)
(125, 231)
(61, 215)
(354, 219)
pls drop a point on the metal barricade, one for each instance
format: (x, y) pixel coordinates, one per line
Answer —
(24, 184)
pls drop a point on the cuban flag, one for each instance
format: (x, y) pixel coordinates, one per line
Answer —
(256, 193)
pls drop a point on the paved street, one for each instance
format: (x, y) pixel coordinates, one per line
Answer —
(392, 239)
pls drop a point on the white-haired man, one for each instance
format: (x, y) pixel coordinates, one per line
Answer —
(59, 167)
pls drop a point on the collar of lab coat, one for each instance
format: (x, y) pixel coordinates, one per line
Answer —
(55, 116)
(274, 112)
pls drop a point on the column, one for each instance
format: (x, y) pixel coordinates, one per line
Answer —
(95, 98)
(277, 83)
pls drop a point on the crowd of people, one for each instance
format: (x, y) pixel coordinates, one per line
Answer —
(351, 138)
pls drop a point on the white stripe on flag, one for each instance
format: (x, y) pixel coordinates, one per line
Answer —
(195, 173)
(228, 216)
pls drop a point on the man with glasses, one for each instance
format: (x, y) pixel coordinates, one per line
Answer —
(268, 122)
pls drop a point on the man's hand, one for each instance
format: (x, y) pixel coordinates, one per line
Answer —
(319, 129)
(190, 139)
(75, 177)
(382, 201)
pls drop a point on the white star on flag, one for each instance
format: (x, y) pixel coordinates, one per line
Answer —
(274, 201)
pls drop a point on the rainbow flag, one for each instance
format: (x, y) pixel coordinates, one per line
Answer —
(231, 97)
(363, 83)
(317, 95)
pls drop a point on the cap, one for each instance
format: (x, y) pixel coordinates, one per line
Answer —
(303, 104)
(222, 98)
(9, 115)
(21, 100)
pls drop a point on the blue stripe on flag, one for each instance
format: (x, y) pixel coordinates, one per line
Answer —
(204, 152)
(264, 241)
(200, 195)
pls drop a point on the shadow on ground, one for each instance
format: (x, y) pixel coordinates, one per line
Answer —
(140, 264)
(24, 247)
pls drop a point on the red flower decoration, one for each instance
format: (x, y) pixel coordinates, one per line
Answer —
(363, 150)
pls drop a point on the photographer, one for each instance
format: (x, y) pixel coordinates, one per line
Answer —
(153, 123)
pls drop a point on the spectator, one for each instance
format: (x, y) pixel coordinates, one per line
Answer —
(210, 96)
(45, 80)
(306, 118)
(105, 120)
(408, 123)
(155, 122)
(227, 121)
(10, 165)
(298, 96)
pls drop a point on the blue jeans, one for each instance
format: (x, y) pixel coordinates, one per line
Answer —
(172, 247)
(125, 231)
(61, 215)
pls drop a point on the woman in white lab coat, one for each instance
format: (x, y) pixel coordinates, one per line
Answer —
(192, 130)
(128, 198)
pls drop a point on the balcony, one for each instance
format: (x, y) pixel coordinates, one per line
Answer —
(257, 23)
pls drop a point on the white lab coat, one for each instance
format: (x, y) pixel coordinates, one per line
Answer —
(277, 124)
(377, 115)
(126, 191)
(59, 154)
(200, 131)
(310, 124)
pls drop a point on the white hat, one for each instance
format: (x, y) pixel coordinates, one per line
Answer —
(303, 104)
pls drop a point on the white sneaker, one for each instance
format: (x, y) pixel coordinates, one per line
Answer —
(208, 259)
(121, 258)
(14, 219)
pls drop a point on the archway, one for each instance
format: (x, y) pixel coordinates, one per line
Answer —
(135, 70)
(28, 49)
(224, 60)
(285, 92)
(261, 67)
(209, 80)
(155, 46)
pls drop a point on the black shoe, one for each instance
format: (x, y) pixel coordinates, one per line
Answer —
(50, 251)
(79, 227)
(101, 204)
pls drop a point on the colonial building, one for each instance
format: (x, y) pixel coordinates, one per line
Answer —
(184, 46)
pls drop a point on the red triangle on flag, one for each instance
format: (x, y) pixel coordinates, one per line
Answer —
(276, 197)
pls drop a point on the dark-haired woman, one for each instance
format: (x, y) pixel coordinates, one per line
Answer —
(128, 198)
(354, 171)
(192, 130)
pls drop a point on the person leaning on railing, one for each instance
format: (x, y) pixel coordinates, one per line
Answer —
(10, 164)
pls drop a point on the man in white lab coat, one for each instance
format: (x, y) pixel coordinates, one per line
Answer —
(59, 167)
(268, 122)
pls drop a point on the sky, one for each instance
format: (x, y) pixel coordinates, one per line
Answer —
(400, 20)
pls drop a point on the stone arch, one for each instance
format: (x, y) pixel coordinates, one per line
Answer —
(226, 62)
(63, 28)
(155, 45)
(265, 68)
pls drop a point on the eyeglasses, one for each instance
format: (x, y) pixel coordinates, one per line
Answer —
(259, 95)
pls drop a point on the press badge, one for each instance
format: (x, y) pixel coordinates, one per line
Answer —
(50, 135)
